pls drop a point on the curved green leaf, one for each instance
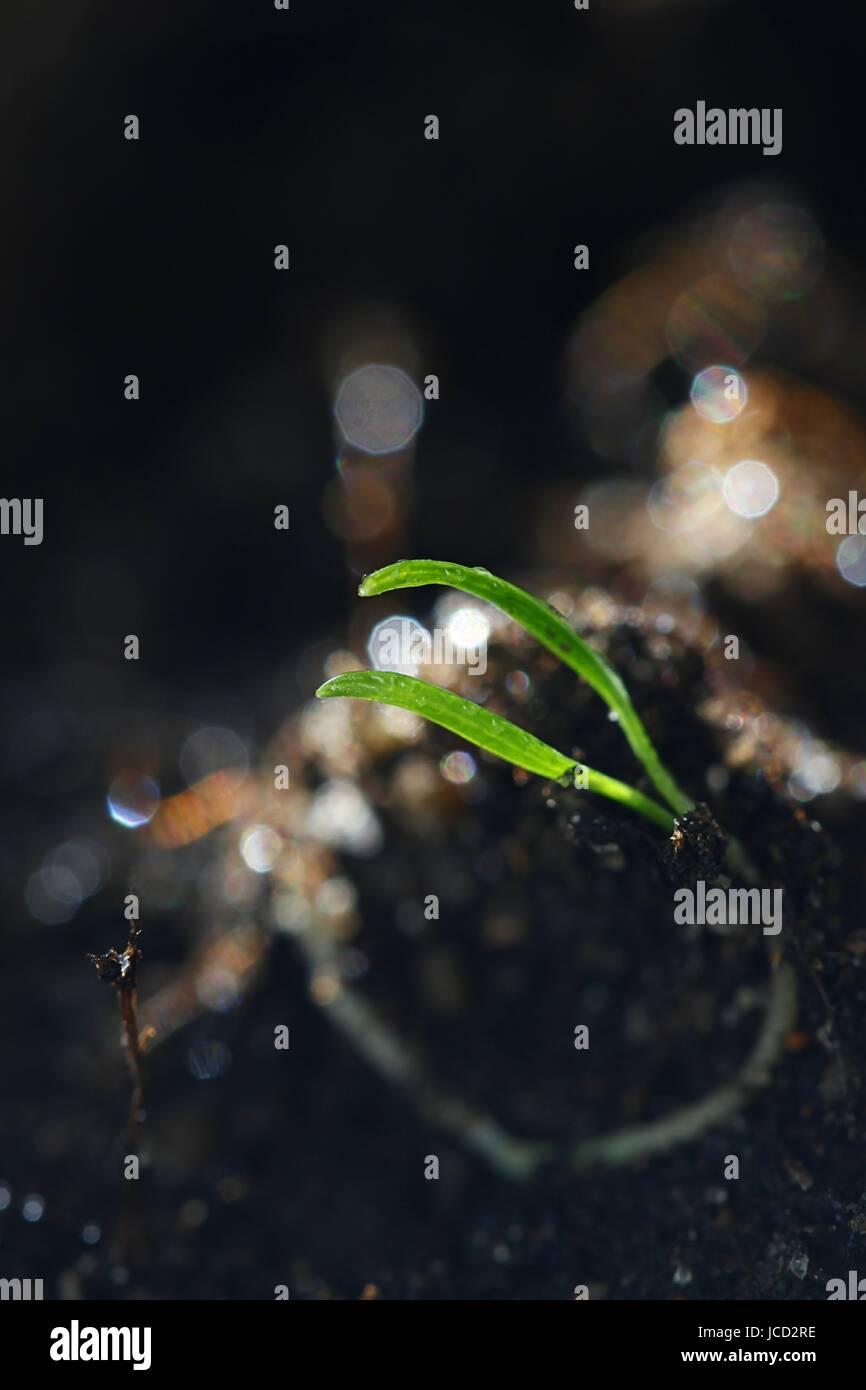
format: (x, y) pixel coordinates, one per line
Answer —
(489, 731)
(550, 629)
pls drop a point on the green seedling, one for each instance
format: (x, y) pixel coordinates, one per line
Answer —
(511, 1156)
(493, 733)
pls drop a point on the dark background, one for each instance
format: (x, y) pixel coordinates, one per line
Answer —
(260, 127)
(156, 257)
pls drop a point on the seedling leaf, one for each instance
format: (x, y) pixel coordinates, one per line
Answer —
(489, 731)
(550, 629)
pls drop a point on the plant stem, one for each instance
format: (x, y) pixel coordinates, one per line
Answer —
(128, 1012)
(119, 970)
(642, 746)
(628, 796)
(691, 1121)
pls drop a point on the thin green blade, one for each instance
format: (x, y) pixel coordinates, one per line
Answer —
(550, 629)
(544, 623)
(452, 712)
(486, 730)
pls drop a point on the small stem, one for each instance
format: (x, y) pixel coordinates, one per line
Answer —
(119, 970)
(129, 1015)
(509, 1155)
(620, 791)
(691, 1121)
(644, 750)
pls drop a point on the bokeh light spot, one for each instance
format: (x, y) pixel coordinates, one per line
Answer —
(341, 816)
(132, 800)
(851, 560)
(33, 1208)
(260, 848)
(399, 644)
(379, 409)
(458, 768)
(751, 489)
(718, 394)
(468, 628)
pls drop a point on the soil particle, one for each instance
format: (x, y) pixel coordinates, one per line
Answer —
(696, 849)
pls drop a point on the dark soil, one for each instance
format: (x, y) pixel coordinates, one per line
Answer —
(555, 910)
